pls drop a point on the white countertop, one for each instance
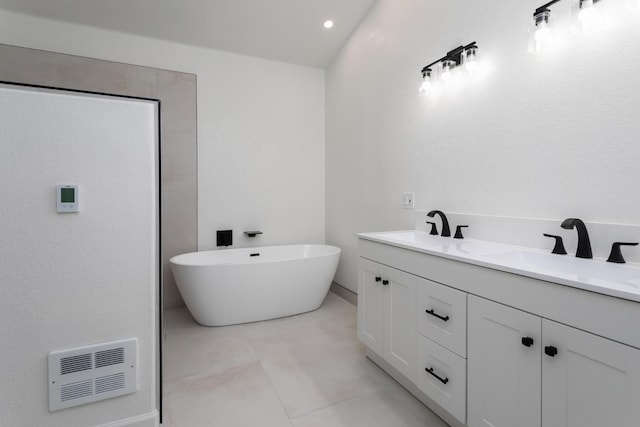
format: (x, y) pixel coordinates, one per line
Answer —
(596, 275)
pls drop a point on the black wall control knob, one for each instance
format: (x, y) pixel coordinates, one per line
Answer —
(550, 351)
(527, 341)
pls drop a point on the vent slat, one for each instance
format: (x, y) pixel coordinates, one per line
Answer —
(76, 390)
(110, 383)
(80, 362)
(109, 357)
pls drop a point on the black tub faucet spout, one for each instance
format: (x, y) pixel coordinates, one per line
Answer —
(584, 244)
(446, 232)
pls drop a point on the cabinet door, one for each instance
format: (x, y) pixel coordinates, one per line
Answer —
(370, 305)
(590, 382)
(503, 373)
(400, 321)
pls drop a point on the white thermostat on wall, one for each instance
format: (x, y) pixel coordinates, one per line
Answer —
(67, 198)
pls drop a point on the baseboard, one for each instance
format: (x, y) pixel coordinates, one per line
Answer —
(145, 420)
(344, 293)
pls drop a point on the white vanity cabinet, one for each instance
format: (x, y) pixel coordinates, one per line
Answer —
(387, 314)
(483, 347)
(527, 371)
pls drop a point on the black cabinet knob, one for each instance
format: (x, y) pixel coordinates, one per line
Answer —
(378, 278)
(550, 351)
(527, 341)
(385, 282)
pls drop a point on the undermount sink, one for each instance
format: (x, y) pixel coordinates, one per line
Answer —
(568, 266)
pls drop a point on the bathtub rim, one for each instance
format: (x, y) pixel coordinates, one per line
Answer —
(333, 250)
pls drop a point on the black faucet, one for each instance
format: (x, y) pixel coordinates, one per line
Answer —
(584, 244)
(446, 232)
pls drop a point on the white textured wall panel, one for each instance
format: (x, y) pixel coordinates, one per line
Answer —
(260, 129)
(549, 136)
(73, 279)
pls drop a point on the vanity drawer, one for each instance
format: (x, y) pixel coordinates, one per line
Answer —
(442, 375)
(442, 316)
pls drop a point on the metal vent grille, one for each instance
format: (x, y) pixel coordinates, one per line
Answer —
(110, 383)
(76, 390)
(88, 374)
(109, 357)
(81, 362)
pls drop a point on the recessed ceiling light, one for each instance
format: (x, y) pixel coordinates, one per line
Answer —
(328, 23)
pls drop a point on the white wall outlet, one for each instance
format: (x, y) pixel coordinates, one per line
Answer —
(408, 200)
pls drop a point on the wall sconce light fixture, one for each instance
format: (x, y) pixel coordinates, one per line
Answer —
(540, 35)
(586, 18)
(466, 55)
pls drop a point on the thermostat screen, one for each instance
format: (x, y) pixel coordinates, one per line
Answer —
(67, 195)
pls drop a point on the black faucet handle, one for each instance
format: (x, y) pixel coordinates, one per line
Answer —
(434, 230)
(458, 234)
(558, 248)
(616, 254)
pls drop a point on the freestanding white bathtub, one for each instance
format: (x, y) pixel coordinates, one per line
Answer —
(230, 286)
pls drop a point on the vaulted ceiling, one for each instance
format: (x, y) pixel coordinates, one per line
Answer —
(283, 30)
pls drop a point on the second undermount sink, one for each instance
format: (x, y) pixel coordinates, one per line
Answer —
(567, 266)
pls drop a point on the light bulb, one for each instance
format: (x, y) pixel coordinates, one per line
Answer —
(328, 24)
(588, 17)
(587, 14)
(541, 35)
(425, 87)
(447, 67)
(470, 63)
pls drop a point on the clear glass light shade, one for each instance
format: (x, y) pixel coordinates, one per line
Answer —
(425, 86)
(446, 73)
(470, 60)
(540, 34)
(586, 16)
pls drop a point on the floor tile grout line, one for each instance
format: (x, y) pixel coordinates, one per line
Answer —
(340, 402)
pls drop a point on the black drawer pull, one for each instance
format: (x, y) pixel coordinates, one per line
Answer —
(550, 351)
(442, 380)
(433, 313)
(385, 282)
(378, 278)
(527, 341)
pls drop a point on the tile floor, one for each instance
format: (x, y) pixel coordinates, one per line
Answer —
(307, 370)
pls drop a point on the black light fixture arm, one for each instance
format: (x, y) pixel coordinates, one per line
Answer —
(545, 7)
(453, 55)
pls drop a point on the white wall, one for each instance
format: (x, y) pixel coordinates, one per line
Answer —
(83, 278)
(548, 136)
(260, 129)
